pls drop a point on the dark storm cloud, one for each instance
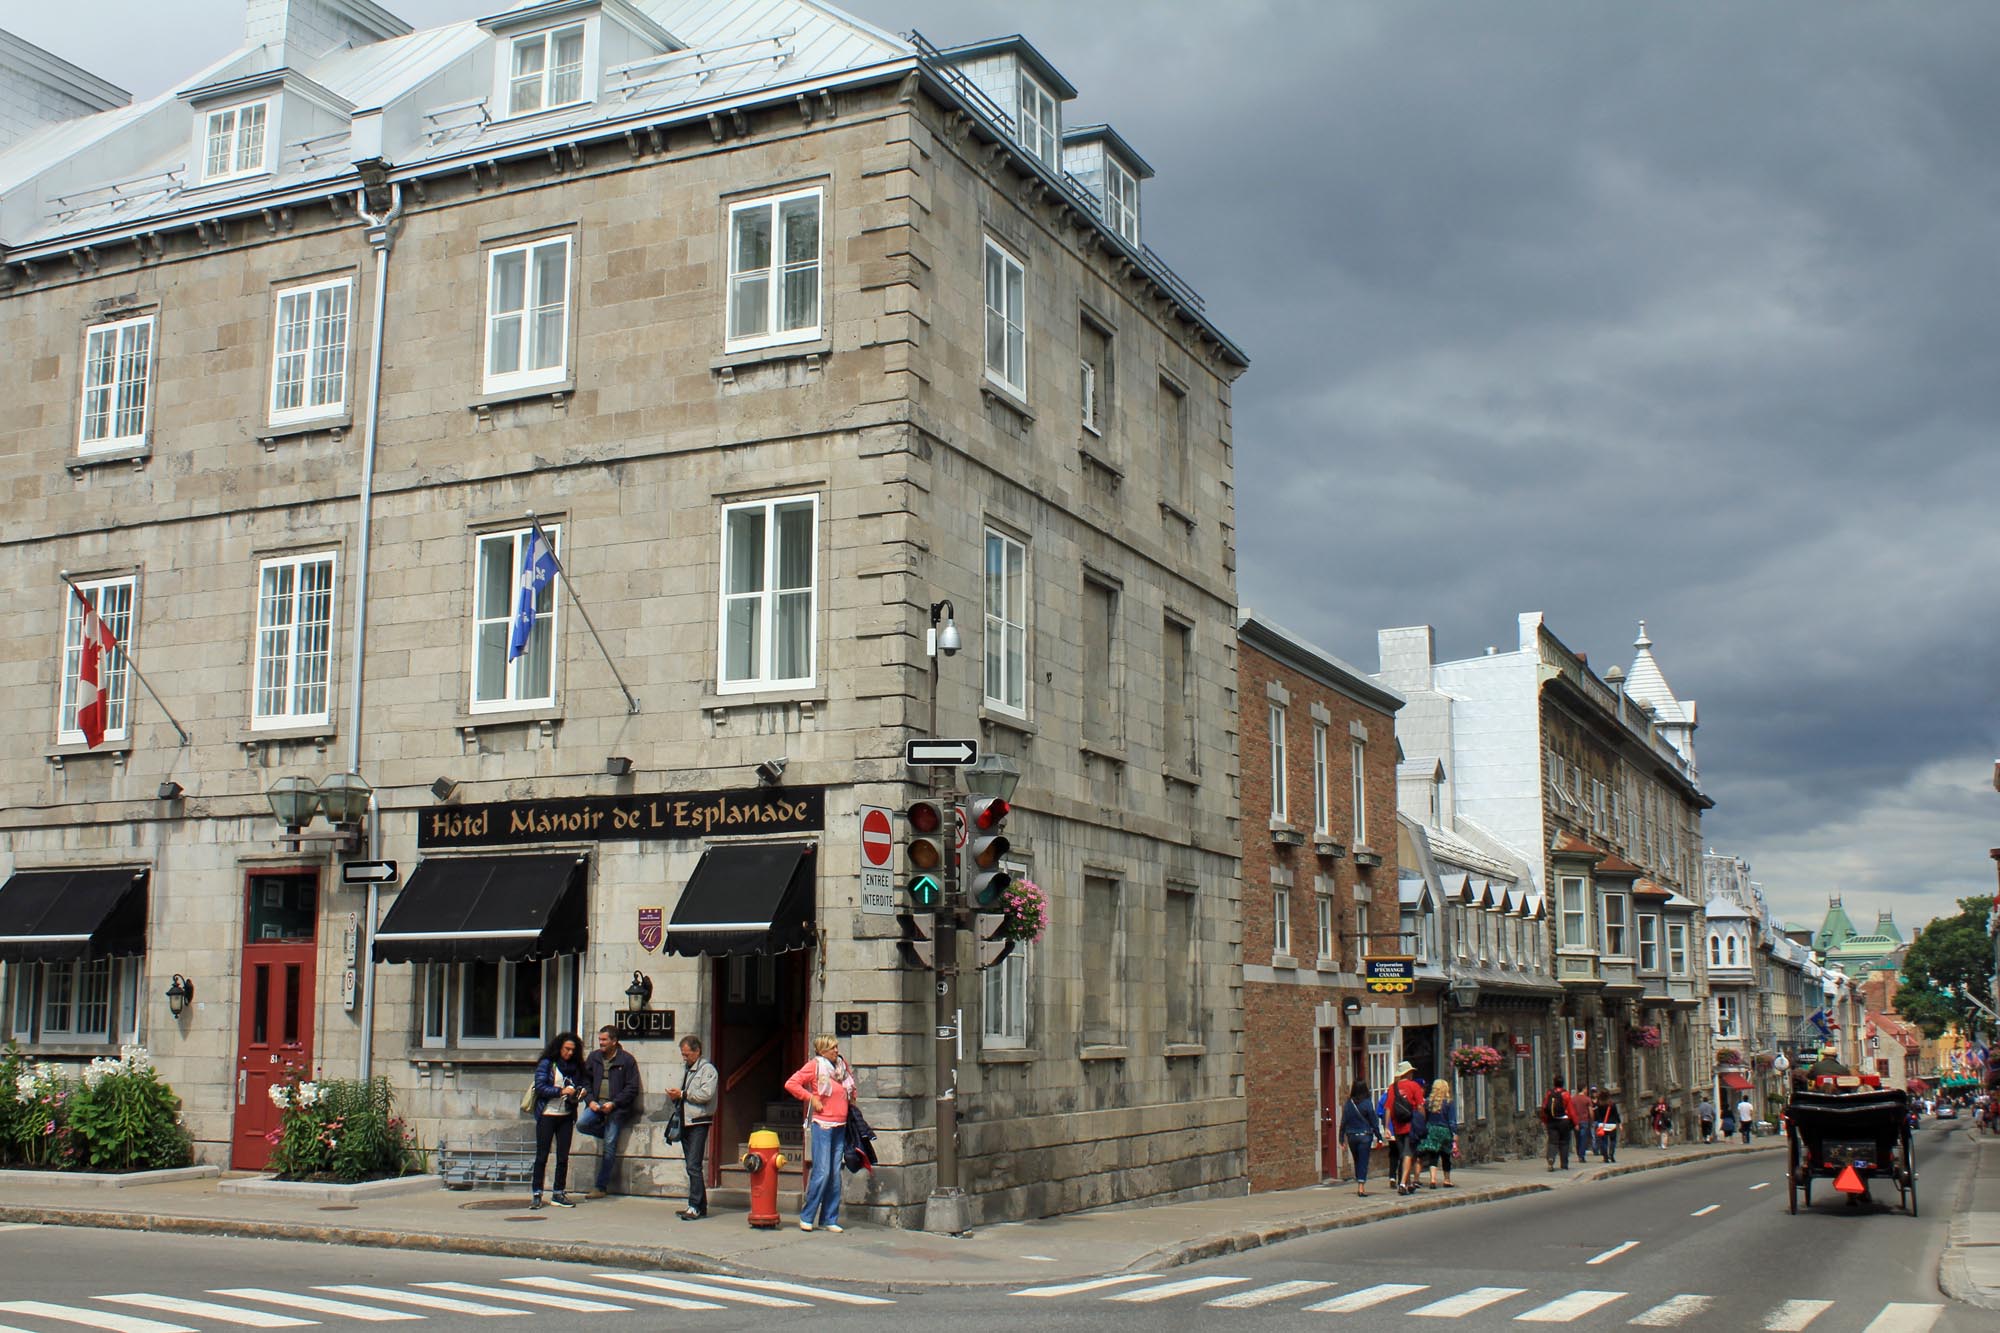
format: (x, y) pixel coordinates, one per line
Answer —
(1609, 311)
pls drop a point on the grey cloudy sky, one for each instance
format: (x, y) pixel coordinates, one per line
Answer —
(1610, 311)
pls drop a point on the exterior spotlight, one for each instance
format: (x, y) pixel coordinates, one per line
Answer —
(771, 771)
(171, 790)
(444, 789)
(618, 766)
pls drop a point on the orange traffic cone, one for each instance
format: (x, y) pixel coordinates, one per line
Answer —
(1849, 1181)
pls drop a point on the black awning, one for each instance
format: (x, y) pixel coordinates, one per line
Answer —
(59, 916)
(746, 898)
(487, 909)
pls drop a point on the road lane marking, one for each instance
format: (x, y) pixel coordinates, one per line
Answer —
(1078, 1288)
(1367, 1296)
(228, 1314)
(1905, 1318)
(1795, 1315)
(1244, 1300)
(795, 1289)
(702, 1292)
(1573, 1306)
(576, 1303)
(20, 1226)
(586, 1289)
(1614, 1252)
(1451, 1307)
(1676, 1311)
(316, 1304)
(1183, 1287)
(1040, 1258)
(1704, 1212)
(421, 1299)
(114, 1323)
(1761, 1185)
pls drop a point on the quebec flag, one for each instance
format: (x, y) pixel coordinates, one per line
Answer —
(538, 566)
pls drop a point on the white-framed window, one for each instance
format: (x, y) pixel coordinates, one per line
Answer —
(1574, 916)
(527, 314)
(1006, 320)
(1414, 936)
(1597, 807)
(529, 680)
(1535, 1045)
(236, 142)
(774, 270)
(1649, 942)
(1714, 950)
(1329, 947)
(117, 385)
(1040, 126)
(93, 1002)
(1617, 929)
(1485, 929)
(1280, 795)
(1480, 1106)
(1121, 201)
(294, 641)
(1281, 921)
(514, 1004)
(1006, 623)
(1097, 372)
(1381, 1058)
(309, 351)
(433, 1004)
(770, 593)
(1364, 942)
(545, 70)
(1729, 950)
(1322, 783)
(1728, 1016)
(113, 600)
(1358, 757)
(1677, 949)
(1003, 1019)
(1523, 1078)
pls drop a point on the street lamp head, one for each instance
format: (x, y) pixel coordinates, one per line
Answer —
(179, 994)
(994, 775)
(640, 993)
(948, 640)
(344, 797)
(944, 629)
(294, 800)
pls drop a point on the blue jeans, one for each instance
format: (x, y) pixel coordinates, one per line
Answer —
(822, 1206)
(1583, 1137)
(607, 1128)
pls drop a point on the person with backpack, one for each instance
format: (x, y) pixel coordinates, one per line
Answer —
(1609, 1121)
(1406, 1111)
(1663, 1120)
(1440, 1139)
(1360, 1130)
(1705, 1113)
(1555, 1118)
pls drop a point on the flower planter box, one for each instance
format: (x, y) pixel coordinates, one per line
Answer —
(102, 1180)
(329, 1191)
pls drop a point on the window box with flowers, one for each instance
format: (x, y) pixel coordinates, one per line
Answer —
(1728, 1057)
(1026, 908)
(1646, 1038)
(1476, 1060)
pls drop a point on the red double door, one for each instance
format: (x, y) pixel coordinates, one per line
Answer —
(279, 1004)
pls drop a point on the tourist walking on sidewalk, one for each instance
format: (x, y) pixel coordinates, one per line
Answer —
(1360, 1130)
(559, 1082)
(1746, 1117)
(696, 1099)
(1583, 1115)
(824, 1084)
(1609, 1121)
(1406, 1122)
(611, 1078)
(1555, 1119)
(1663, 1120)
(1705, 1113)
(1440, 1133)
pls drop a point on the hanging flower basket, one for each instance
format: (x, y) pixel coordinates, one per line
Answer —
(1647, 1037)
(1729, 1055)
(1761, 1060)
(1027, 909)
(1475, 1060)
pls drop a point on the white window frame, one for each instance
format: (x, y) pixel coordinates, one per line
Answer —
(1714, 948)
(767, 598)
(1358, 756)
(1013, 318)
(1280, 788)
(1381, 1056)
(527, 342)
(119, 390)
(1121, 200)
(238, 116)
(1001, 631)
(328, 337)
(585, 70)
(29, 986)
(775, 272)
(515, 698)
(1615, 926)
(1649, 941)
(558, 1002)
(1571, 888)
(433, 1004)
(1728, 1017)
(1003, 1016)
(287, 643)
(115, 672)
(1040, 120)
(1329, 946)
(1677, 948)
(1322, 795)
(1281, 921)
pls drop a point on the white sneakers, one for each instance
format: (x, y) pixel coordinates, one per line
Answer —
(805, 1226)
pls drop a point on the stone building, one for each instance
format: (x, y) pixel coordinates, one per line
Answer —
(796, 342)
(1321, 900)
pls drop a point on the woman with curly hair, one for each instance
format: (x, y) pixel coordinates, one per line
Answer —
(1440, 1133)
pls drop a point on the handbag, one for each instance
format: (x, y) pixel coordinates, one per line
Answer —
(677, 1118)
(528, 1100)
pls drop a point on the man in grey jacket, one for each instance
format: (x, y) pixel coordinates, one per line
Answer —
(696, 1098)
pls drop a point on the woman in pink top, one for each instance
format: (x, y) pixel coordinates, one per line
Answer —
(824, 1085)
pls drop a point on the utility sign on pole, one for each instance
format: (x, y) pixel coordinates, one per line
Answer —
(368, 872)
(940, 754)
(878, 861)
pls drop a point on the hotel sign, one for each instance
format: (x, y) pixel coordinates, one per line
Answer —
(1391, 974)
(668, 816)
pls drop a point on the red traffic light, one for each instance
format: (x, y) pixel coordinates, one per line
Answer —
(925, 817)
(990, 813)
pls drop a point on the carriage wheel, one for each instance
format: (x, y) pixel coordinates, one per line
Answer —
(1911, 1173)
(1792, 1173)
(1808, 1189)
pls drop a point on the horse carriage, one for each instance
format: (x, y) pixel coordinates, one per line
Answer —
(1850, 1135)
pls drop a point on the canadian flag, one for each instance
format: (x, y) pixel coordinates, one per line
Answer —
(90, 701)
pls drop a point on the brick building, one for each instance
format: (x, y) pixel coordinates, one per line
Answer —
(1321, 893)
(773, 323)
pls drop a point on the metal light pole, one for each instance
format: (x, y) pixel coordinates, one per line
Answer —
(945, 1210)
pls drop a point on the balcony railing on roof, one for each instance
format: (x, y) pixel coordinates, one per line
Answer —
(119, 195)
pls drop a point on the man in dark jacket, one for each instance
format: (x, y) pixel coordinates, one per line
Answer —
(611, 1101)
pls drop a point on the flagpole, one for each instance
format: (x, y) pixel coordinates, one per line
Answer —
(131, 664)
(631, 703)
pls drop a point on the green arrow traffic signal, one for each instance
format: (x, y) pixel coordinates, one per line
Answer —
(925, 891)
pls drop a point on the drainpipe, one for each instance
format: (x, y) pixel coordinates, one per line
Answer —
(382, 237)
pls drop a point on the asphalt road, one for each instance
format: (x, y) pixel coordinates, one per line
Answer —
(1707, 1247)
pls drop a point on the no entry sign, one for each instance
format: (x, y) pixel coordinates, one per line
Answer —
(878, 861)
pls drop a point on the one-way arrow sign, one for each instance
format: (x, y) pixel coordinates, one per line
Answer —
(940, 754)
(368, 872)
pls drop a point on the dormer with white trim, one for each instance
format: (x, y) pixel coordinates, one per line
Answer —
(249, 125)
(554, 54)
(1107, 166)
(1023, 85)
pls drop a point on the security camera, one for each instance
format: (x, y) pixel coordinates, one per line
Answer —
(771, 771)
(948, 642)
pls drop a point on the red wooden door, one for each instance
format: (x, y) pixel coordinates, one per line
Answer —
(275, 1034)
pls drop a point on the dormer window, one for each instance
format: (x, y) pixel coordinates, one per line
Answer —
(1121, 201)
(235, 142)
(545, 70)
(1039, 121)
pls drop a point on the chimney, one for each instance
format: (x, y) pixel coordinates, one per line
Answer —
(40, 89)
(1407, 656)
(1615, 678)
(308, 29)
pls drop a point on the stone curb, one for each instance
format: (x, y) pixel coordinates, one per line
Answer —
(1953, 1278)
(106, 1180)
(271, 1187)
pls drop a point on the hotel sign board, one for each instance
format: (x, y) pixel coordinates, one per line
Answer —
(667, 816)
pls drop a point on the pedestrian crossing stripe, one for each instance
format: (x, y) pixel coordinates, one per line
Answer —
(316, 1304)
(795, 1289)
(104, 1319)
(228, 1314)
(1795, 1315)
(636, 1297)
(1079, 1288)
(1565, 1308)
(698, 1291)
(1280, 1291)
(1367, 1296)
(1678, 1310)
(1185, 1286)
(1451, 1307)
(576, 1303)
(422, 1300)
(1905, 1318)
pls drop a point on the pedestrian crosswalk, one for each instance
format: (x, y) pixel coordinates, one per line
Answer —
(1419, 1300)
(535, 1295)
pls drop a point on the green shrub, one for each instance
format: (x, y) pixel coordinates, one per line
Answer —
(123, 1117)
(36, 1096)
(340, 1129)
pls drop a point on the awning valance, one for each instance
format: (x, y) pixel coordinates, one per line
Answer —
(746, 898)
(487, 909)
(1736, 1082)
(60, 916)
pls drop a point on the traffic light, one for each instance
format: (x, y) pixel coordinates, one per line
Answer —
(926, 851)
(993, 945)
(986, 882)
(916, 946)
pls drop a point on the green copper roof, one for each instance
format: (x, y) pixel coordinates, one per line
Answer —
(1836, 929)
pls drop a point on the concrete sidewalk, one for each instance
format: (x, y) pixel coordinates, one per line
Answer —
(644, 1233)
(1970, 1269)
